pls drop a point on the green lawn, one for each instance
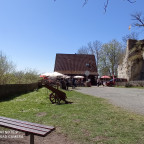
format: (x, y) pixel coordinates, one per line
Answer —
(88, 120)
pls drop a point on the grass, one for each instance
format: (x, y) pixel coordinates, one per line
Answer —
(88, 120)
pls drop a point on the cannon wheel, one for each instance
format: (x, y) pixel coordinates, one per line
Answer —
(52, 98)
(57, 99)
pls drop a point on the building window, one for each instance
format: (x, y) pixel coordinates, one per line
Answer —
(87, 65)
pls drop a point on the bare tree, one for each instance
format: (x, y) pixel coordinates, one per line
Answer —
(139, 19)
(132, 35)
(92, 48)
(83, 50)
(106, 3)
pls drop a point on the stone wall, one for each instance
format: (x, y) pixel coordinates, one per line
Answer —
(123, 69)
(131, 83)
(132, 67)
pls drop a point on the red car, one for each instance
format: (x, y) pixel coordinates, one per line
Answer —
(112, 82)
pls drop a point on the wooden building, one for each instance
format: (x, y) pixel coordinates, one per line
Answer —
(76, 64)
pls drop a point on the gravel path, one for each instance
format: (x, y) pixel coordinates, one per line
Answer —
(128, 98)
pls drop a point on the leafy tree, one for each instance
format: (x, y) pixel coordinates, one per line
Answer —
(31, 76)
(104, 66)
(26, 76)
(110, 56)
(8, 74)
(6, 67)
(19, 77)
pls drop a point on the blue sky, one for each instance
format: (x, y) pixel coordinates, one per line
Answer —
(33, 31)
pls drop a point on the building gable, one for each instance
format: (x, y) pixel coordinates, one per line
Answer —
(75, 64)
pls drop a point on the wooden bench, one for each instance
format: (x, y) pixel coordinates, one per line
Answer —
(27, 127)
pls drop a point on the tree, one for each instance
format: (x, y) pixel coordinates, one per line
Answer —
(125, 38)
(8, 74)
(104, 65)
(106, 3)
(110, 55)
(31, 76)
(19, 77)
(26, 76)
(83, 50)
(139, 19)
(5, 68)
(92, 48)
(95, 48)
(107, 55)
(132, 35)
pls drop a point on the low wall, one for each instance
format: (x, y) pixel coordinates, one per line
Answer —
(131, 83)
(9, 90)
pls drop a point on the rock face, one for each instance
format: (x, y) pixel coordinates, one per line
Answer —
(132, 67)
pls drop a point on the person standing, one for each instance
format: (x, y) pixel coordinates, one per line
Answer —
(98, 82)
(73, 82)
(67, 83)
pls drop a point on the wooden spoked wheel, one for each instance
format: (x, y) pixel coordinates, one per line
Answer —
(52, 98)
(57, 99)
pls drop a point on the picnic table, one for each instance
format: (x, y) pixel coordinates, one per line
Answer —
(27, 127)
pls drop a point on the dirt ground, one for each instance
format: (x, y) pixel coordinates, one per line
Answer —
(52, 138)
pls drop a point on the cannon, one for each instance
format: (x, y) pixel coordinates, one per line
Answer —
(57, 95)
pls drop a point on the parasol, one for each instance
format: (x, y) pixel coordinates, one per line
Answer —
(53, 74)
(105, 77)
(78, 76)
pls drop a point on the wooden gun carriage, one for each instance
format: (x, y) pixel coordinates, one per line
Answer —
(56, 96)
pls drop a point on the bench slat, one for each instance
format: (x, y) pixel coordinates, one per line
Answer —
(36, 132)
(24, 125)
(28, 127)
(28, 123)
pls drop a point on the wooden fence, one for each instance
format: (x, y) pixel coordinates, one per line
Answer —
(10, 90)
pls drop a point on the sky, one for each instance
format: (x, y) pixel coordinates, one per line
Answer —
(33, 31)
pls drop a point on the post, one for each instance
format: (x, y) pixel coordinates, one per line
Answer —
(31, 139)
(113, 77)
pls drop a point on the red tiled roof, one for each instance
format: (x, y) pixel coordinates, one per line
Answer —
(75, 64)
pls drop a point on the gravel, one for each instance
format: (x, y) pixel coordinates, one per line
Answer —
(129, 98)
